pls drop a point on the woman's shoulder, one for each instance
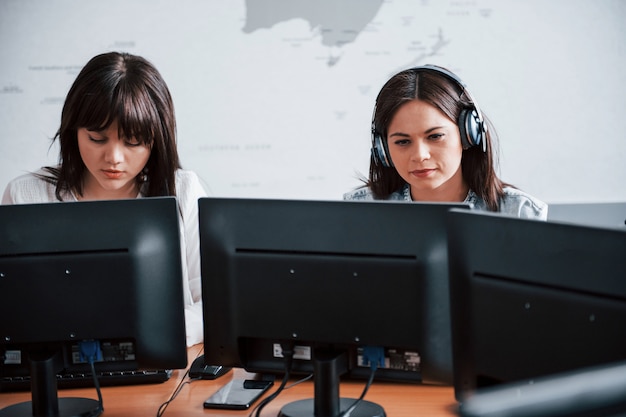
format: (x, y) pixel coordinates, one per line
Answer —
(365, 193)
(361, 193)
(188, 185)
(514, 202)
(522, 204)
(31, 188)
(185, 175)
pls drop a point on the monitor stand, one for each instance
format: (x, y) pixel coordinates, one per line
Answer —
(327, 368)
(45, 401)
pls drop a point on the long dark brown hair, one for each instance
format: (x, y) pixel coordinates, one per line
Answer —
(128, 89)
(435, 88)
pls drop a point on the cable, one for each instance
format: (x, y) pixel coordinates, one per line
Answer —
(306, 378)
(96, 382)
(300, 381)
(288, 353)
(358, 400)
(177, 391)
(375, 355)
(90, 351)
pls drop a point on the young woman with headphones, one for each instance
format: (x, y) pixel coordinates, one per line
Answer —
(431, 142)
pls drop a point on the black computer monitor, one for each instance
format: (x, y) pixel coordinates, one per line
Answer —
(102, 274)
(531, 298)
(326, 276)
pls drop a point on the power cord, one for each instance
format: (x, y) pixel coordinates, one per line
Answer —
(300, 381)
(178, 389)
(288, 352)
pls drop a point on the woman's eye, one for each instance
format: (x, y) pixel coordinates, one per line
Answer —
(96, 140)
(133, 143)
(436, 136)
(402, 142)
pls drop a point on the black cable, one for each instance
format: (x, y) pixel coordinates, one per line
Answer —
(367, 387)
(96, 382)
(89, 349)
(177, 391)
(300, 381)
(306, 378)
(288, 352)
(375, 355)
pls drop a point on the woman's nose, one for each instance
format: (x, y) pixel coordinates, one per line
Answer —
(114, 153)
(421, 151)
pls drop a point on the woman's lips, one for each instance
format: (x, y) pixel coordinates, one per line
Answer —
(421, 173)
(112, 174)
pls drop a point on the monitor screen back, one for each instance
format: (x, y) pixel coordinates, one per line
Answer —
(326, 273)
(532, 298)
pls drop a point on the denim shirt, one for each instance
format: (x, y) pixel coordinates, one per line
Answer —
(514, 203)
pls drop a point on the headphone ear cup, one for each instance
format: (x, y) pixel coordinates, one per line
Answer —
(470, 128)
(379, 150)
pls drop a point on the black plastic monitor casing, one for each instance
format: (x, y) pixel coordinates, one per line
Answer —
(100, 270)
(597, 391)
(325, 275)
(531, 298)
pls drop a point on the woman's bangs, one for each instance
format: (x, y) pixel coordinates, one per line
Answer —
(137, 118)
(94, 114)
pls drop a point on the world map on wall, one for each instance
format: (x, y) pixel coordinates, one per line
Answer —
(339, 23)
(336, 23)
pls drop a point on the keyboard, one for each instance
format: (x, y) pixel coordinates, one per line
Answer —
(84, 380)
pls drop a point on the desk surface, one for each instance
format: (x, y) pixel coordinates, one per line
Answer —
(398, 399)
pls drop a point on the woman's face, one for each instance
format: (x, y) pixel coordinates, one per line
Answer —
(112, 162)
(425, 147)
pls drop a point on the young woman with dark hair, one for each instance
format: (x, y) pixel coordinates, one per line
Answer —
(431, 142)
(117, 141)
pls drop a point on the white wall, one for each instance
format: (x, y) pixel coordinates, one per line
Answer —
(274, 99)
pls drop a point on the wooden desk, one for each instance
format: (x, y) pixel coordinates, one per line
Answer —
(400, 400)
